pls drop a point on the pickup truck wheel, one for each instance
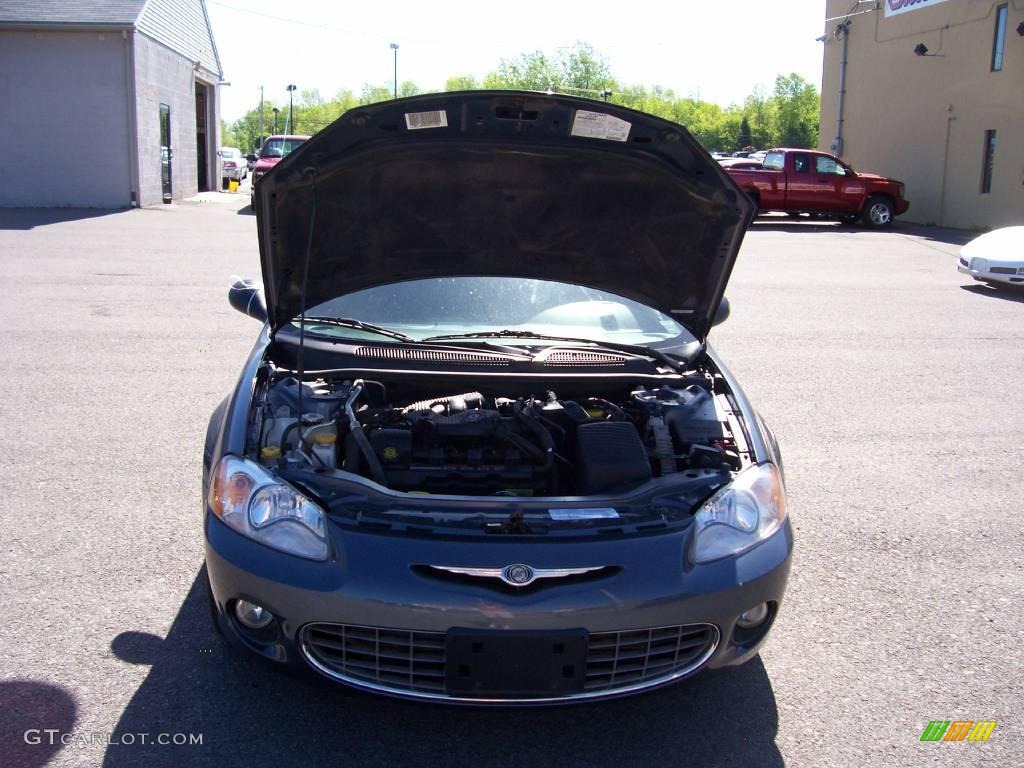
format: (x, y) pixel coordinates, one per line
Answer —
(879, 212)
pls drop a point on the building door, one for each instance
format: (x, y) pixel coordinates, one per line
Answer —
(165, 151)
(202, 159)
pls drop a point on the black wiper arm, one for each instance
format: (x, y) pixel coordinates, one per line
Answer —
(359, 325)
(631, 349)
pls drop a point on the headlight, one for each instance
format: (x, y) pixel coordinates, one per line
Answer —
(256, 504)
(745, 512)
(979, 265)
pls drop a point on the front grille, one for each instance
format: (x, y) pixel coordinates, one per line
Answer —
(621, 659)
(392, 658)
(1003, 270)
(414, 662)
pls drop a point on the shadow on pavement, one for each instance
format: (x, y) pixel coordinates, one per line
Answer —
(252, 714)
(1006, 292)
(30, 218)
(28, 709)
(806, 225)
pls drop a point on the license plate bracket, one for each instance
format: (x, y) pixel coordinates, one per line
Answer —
(515, 663)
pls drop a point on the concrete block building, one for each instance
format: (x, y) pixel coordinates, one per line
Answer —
(932, 93)
(107, 103)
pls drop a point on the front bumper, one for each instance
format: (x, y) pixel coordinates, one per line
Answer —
(902, 206)
(1006, 272)
(234, 173)
(380, 592)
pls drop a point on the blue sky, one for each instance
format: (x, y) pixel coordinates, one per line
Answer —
(718, 50)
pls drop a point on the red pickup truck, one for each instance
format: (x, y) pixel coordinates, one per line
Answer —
(804, 181)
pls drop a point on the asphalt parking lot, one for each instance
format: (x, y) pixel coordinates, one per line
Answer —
(893, 383)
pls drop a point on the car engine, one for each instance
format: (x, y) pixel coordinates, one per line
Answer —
(488, 444)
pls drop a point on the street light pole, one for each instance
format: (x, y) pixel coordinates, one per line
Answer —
(291, 124)
(394, 48)
(276, 111)
(259, 140)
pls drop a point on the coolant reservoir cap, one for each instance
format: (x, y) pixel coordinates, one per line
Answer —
(325, 437)
(270, 452)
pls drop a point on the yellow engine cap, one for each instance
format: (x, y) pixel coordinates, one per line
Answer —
(270, 452)
(325, 438)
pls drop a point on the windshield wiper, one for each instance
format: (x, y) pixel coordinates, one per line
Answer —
(344, 322)
(630, 349)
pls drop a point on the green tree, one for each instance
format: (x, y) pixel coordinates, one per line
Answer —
(527, 72)
(762, 116)
(797, 103)
(789, 115)
(582, 68)
(744, 138)
(461, 83)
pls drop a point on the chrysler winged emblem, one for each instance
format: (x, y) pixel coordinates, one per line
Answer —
(517, 574)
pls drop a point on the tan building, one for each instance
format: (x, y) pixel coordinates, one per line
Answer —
(934, 96)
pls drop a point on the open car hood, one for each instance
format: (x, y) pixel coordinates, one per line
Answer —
(501, 183)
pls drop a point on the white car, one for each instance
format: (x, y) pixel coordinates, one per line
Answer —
(997, 257)
(233, 164)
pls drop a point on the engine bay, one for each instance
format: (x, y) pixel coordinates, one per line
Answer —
(495, 442)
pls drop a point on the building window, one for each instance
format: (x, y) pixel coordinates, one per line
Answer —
(986, 167)
(999, 39)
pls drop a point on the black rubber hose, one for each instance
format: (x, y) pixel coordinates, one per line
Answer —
(287, 431)
(352, 454)
(356, 431)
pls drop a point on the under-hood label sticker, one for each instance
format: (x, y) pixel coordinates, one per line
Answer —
(434, 119)
(598, 125)
(584, 513)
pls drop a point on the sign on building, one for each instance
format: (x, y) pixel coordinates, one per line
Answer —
(895, 7)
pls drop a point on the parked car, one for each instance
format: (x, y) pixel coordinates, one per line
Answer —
(233, 165)
(742, 163)
(482, 450)
(274, 150)
(805, 181)
(996, 258)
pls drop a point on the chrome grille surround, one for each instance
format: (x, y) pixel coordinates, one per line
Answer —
(411, 664)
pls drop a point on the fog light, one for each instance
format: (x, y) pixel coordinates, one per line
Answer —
(753, 617)
(251, 615)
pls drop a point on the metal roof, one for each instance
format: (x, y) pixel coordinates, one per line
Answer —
(107, 12)
(181, 25)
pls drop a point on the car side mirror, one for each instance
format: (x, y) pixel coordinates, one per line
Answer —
(247, 297)
(722, 313)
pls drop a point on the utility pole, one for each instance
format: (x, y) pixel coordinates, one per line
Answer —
(291, 123)
(260, 139)
(394, 48)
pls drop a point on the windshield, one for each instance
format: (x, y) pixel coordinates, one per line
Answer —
(279, 147)
(457, 305)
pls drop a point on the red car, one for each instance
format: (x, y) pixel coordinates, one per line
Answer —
(274, 149)
(805, 181)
